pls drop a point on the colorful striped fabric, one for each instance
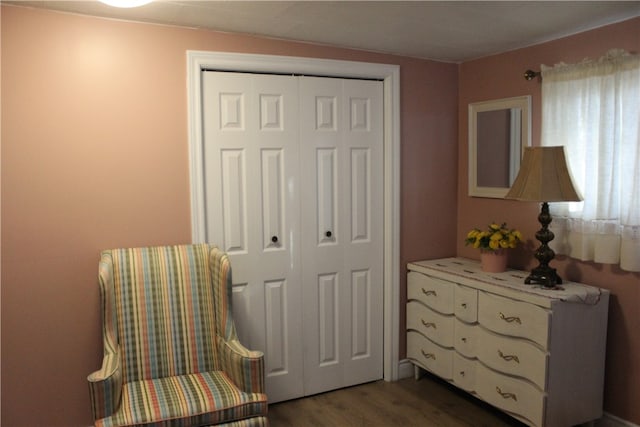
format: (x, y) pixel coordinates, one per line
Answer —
(243, 366)
(105, 386)
(171, 350)
(210, 398)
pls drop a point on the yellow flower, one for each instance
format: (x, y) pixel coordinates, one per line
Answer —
(495, 236)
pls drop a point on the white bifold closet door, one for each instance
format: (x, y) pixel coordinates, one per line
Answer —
(294, 195)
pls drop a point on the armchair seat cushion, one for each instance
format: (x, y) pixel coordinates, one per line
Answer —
(187, 400)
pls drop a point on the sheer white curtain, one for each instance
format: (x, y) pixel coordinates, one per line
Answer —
(593, 109)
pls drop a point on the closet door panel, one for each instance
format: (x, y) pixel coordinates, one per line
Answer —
(276, 328)
(362, 183)
(272, 199)
(329, 335)
(321, 165)
(361, 338)
(252, 202)
(360, 194)
(234, 200)
(340, 147)
(327, 203)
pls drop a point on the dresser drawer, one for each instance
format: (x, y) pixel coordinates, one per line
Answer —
(437, 327)
(465, 338)
(464, 372)
(513, 357)
(514, 318)
(510, 394)
(429, 355)
(435, 293)
(466, 303)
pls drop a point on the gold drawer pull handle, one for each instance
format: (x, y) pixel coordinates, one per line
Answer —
(462, 373)
(463, 339)
(463, 305)
(508, 357)
(510, 319)
(428, 355)
(506, 395)
(429, 293)
(428, 324)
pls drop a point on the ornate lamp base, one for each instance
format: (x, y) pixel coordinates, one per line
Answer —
(543, 274)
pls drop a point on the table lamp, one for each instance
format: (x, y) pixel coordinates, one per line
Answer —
(544, 177)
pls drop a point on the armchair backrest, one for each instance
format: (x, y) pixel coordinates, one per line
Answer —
(163, 307)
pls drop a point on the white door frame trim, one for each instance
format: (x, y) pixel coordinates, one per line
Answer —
(197, 61)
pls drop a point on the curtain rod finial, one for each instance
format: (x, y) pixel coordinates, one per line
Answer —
(530, 74)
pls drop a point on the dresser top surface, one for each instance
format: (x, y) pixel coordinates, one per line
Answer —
(468, 272)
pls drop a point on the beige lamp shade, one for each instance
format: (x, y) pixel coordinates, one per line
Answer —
(544, 177)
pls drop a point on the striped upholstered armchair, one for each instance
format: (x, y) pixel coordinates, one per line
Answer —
(171, 354)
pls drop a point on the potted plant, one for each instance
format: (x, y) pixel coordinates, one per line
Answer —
(493, 244)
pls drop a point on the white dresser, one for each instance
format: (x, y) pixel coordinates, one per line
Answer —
(536, 354)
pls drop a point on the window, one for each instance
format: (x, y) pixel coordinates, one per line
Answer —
(593, 109)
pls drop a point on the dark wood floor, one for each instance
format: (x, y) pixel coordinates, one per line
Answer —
(426, 402)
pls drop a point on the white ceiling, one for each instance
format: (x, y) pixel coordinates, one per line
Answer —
(451, 31)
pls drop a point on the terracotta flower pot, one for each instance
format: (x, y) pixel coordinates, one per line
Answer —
(494, 261)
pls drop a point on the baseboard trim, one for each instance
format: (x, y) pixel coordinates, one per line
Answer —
(405, 370)
(609, 420)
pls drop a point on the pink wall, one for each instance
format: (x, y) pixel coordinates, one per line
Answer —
(501, 76)
(95, 155)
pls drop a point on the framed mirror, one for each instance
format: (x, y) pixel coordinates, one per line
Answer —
(498, 132)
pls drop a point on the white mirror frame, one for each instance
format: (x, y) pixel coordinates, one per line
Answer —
(524, 132)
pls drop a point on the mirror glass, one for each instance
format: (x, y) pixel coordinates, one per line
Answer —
(498, 132)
